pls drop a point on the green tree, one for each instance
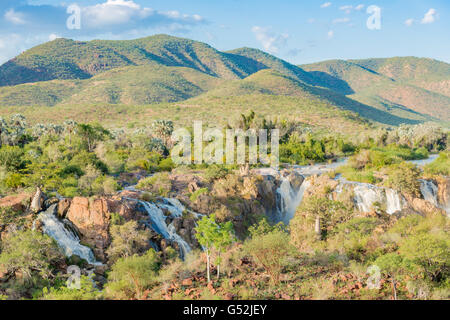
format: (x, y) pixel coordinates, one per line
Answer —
(223, 240)
(391, 265)
(430, 252)
(211, 234)
(90, 134)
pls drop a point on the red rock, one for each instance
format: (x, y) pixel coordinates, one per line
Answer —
(63, 207)
(92, 218)
(18, 202)
(229, 296)
(187, 282)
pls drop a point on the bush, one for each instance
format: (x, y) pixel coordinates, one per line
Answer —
(87, 291)
(269, 250)
(403, 177)
(130, 277)
(29, 253)
(430, 252)
(12, 158)
(127, 239)
(197, 193)
(159, 184)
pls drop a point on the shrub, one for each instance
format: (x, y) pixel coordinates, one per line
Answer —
(430, 252)
(131, 276)
(269, 250)
(197, 193)
(29, 253)
(127, 239)
(159, 184)
(403, 177)
(87, 291)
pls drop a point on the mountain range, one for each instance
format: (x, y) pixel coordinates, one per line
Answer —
(165, 69)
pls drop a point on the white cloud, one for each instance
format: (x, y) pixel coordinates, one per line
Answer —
(330, 34)
(271, 42)
(117, 12)
(15, 17)
(341, 20)
(409, 22)
(326, 5)
(347, 9)
(311, 20)
(359, 7)
(429, 17)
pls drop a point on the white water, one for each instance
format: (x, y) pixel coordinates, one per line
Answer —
(288, 199)
(66, 239)
(368, 196)
(158, 221)
(429, 192)
(394, 201)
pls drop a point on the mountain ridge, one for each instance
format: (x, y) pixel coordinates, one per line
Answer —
(167, 69)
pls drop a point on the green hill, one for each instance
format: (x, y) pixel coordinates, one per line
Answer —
(166, 69)
(407, 87)
(270, 82)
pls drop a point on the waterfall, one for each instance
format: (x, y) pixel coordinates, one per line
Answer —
(67, 240)
(288, 199)
(429, 191)
(366, 196)
(393, 201)
(158, 221)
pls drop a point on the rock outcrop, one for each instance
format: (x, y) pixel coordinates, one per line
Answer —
(92, 219)
(37, 204)
(444, 193)
(18, 203)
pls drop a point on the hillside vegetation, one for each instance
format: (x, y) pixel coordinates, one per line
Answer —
(165, 69)
(405, 86)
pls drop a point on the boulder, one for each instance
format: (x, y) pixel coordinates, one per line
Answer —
(37, 204)
(92, 219)
(63, 207)
(295, 179)
(19, 203)
(421, 206)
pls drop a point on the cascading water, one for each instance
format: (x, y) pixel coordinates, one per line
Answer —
(158, 221)
(67, 240)
(429, 191)
(367, 196)
(288, 199)
(394, 201)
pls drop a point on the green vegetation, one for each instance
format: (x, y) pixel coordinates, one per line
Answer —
(211, 234)
(439, 166)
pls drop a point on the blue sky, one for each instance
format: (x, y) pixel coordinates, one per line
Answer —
(295, 30)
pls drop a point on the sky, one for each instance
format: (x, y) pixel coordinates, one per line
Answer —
(298, 31)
